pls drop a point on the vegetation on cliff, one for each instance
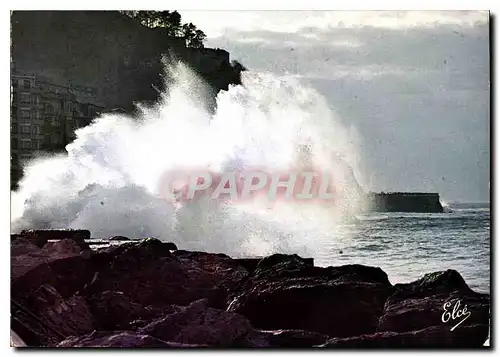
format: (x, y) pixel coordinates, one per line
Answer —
(171, 23)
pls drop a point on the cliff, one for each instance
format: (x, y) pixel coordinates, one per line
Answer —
(404, 202)
(107, 53)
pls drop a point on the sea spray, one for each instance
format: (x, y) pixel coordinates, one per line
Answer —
(110, 179)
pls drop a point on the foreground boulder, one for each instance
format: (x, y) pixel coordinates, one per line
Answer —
(149, 274)
(430, 337)
(443, 300)
(46, 318)
(119, 238)
(219, 272)
(199, 324)
(146, 294)
(123, 339)
(285, 292)
(60, 264)
(292, 338)
(114, 310)
(40, 237)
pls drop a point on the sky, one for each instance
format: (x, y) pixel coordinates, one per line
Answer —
(413, 84)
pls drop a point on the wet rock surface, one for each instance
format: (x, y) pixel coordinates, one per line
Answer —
(47, 317)
(126, 339)
(41, 236)
(119, 238)
(199, 324)
(61, 264)
(336, 301)
(146, 294)
(430, 337)
(440, 299)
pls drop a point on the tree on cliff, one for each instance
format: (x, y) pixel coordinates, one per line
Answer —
(172, 25)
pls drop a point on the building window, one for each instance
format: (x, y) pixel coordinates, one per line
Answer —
(26, 84)
(25, 129)
(34, 129)
(25, 98)
(35, 145)
(14, 83)
(13, 128)
(13, 143)
(25, 144)
(25, 114)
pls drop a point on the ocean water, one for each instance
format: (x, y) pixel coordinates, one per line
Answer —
(408, 245)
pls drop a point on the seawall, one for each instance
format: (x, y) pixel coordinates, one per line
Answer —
(404, 202)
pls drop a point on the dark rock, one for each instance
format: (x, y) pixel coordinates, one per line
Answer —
(22, 246)
(115, 311)
(430, 337)
(58, 265)
(119, 238)
(125, 339)
(131, 252)
(293, 338)
(40, 237)
(250, 264)
(221, 272)
(170, 245)
(149, 274)
(200, 324)
(286, 292)
(420, 304)
(50, 318)
(15, 340)
(404, 202)
(282, 264)
(142, 294)
(63, 247)
(33, 239)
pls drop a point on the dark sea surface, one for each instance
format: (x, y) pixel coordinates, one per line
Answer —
(408, 245)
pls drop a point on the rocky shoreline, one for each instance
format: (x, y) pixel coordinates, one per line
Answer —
(148, 293)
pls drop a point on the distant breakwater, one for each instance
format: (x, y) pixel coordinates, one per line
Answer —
(404, 202)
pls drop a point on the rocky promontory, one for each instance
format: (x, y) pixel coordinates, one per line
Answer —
(147, 293)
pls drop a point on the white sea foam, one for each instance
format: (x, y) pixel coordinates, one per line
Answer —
(109, 180)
